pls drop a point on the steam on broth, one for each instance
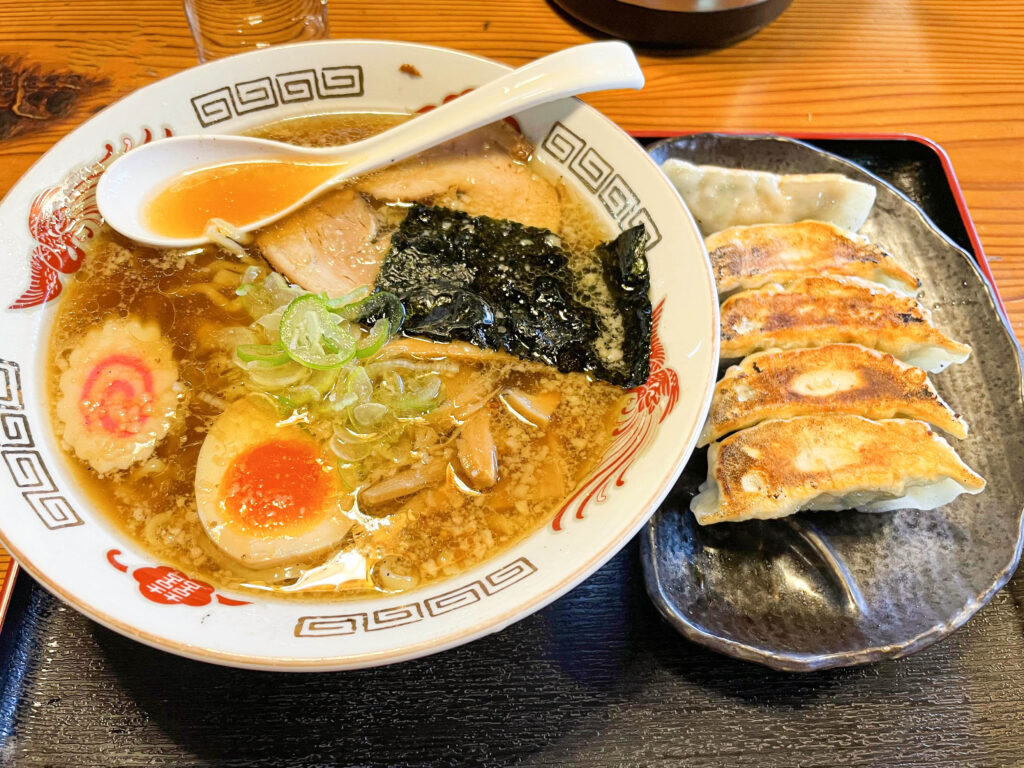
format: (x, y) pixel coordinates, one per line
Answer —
(265, 434)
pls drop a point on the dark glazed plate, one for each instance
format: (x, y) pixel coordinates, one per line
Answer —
(686, 23)
(829, 589)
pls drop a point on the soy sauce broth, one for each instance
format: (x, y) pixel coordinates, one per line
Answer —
(409, 542)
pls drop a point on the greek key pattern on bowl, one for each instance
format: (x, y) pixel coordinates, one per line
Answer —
(23, 461)
(296, 86)
(601, 178)
(397, 616)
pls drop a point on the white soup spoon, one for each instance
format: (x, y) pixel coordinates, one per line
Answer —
(131, 190)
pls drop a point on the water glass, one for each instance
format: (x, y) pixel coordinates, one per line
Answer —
(224, 27)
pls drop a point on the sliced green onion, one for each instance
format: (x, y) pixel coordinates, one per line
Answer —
(359, 384)
(421, 398)
(312, 337)
(279, 377)
(349, 298)
(337, 339)
(349, 452)
(350, 476)
(392, 383)
(335, 404)
(251, 275)
(376, 305)
(324, 381)
(304, 394)
(349, 437)
(369, 414)
(268, 355)
(285, 405)
(256, 300)
(312, 358)
(280, 290)
(374, 340)
(271, 323)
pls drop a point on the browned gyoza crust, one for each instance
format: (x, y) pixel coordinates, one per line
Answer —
(781, 466)
(837, 378)
(752, 256)
(814, 311)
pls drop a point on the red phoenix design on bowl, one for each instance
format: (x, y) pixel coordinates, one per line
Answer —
(62, 219)
(649, 405)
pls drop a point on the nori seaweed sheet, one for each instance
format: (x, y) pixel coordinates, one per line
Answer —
(505, 286)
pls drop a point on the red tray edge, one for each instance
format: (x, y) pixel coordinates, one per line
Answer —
(7, 588)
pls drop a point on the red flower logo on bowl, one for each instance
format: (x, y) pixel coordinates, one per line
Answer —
(169, 586)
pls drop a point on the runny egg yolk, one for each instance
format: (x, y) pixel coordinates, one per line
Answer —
(280, 484)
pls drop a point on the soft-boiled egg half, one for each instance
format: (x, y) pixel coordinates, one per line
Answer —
(268, 492)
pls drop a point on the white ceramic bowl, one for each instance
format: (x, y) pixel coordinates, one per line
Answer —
(48, 523)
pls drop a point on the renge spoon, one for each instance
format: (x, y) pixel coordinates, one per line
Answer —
(132, 183)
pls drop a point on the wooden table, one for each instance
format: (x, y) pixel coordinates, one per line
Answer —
(951, 70)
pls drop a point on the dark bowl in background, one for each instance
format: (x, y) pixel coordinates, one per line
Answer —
(684, 23)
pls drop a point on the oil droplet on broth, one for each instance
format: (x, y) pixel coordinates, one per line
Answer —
(348, 569)
(239, 193)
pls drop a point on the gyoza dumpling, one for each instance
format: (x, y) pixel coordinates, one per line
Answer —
(814, 311)
(836, 378)
(752, 256)
(829, 462)
(724, 197)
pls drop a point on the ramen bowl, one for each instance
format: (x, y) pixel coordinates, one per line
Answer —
(63, 540)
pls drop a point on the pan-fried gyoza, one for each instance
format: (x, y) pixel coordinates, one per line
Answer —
(822, 310)
(830, 462)
(828, 404)
(836, 378)
(749, 257)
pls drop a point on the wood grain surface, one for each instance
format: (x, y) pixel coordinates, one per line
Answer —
(946, 69)
(951, 70)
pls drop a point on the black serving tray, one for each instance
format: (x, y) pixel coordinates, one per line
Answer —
(594, 679)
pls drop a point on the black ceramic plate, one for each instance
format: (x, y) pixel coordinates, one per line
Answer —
(828, 589)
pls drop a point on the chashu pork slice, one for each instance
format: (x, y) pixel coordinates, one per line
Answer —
(813, 311)
(836, 378)
(483, 173)
(337, 242)
(749, 257)
(427, 349)
(334, 244)
(830, 462)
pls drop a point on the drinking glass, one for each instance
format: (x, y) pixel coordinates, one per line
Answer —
(224, 27)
